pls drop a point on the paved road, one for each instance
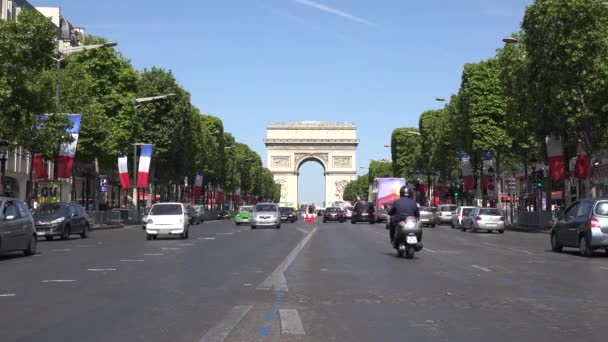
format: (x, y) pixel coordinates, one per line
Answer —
(304, 282)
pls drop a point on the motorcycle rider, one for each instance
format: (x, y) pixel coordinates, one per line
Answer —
(402, 208)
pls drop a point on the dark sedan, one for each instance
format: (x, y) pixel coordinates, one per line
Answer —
(61, 219)
(287, 214)
(223, 215)
(334, 214)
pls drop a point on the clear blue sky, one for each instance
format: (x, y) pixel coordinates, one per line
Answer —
(376, 63)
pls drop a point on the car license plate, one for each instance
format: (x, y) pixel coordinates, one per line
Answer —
(284, 217)
(40, 233)
(164, 231)
(412, 239)
(364, 214)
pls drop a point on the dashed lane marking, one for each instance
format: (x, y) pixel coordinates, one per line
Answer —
(303, 230)
(58, 281)
(429, 250)
(509, 248)
(481, 268)
(61, 250)
(8, 295)
(132, 260)
(604, 268)
(153, 254)
(101, 269)
(185, 244)
(220, 331)
(291, 324)
(169, 248)
(208, 238)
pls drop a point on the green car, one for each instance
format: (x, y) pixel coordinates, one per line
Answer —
(244, 215)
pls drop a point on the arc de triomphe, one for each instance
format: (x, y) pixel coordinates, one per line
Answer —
(333, 145)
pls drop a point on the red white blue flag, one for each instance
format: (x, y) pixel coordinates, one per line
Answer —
(65, 160)
(198, 184)
(144, 166)
(123, 171)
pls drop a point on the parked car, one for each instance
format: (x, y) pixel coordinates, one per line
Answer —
(200, 212)
(488, 219)
(459, 214)
(266, 214)
(144, 218)
(427, 216)
(61, 219)
(193, 215)
(334, 214)
(17, 232)
(168, 219)
(244, 215)
(223, 215)
(444, 213)
(583, 225)
(287, 214)
(363, 212)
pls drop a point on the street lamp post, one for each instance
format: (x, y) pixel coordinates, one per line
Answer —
(4, 146)
(137, 103)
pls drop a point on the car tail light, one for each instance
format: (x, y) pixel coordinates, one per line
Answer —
(594, 223)
(340, 214)
(478, 218)
(502, 218)
(327, 215)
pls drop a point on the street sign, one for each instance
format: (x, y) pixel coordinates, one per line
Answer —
(48, 192)
(103, 185)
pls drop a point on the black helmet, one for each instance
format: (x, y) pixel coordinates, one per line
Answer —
(404, 191)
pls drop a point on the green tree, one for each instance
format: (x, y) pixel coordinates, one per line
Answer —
(405, 152)
(379, 169)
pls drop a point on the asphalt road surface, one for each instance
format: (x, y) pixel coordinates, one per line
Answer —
(304, 282)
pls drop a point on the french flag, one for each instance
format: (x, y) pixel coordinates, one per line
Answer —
(467, 175)
(198, 184)
(123, 170)
(39, 167)
(144, 166)
(557, 169)
(65, 160)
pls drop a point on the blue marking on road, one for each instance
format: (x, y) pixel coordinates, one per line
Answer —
(264, 330)
(271, 315)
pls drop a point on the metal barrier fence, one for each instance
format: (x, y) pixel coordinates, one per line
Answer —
(117, 217)
(104, 218)
(542, 219)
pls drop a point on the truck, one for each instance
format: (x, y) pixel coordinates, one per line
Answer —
(383, 193)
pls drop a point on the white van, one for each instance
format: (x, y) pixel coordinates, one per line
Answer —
(167, 219)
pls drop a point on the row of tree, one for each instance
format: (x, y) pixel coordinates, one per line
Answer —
(549, 80)
(102, 85)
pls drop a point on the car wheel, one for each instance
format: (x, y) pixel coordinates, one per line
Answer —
(473, 230)
(85, 232)
(238, 223)
(501, 231)
(324, 221)
(278, 226)
(31, 246)
(451, 224)
(66, 233)
(342, 221)
(48, 238)
(463, 229)
(555, 246)
(148, 237)
(352, 221)
(584, 247)
(372, 222)
(434, 225)
(253, 227)
(187, 234)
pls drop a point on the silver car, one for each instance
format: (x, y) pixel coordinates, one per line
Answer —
(459, 215)
(427, 216)
(266, 214)
(488, 219)
(17, 231)
(584, 225)
(444, 213)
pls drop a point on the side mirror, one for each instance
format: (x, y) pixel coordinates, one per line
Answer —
(9, 218)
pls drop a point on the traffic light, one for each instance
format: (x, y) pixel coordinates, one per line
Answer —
(539, 179)
(456, 194)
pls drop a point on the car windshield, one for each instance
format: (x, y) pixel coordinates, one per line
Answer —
(489, 212)
(265, 207)
(601, 209)
(166, 209)
(429, 209)
(286, 210)
(333, 210)
(51, 209)
(243, 209)
(363, 206)
(466, 211)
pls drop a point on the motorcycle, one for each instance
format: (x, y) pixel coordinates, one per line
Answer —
(408, 238)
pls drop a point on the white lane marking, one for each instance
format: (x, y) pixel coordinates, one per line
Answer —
(246, 284)
(61, 250)
(324, 270)
(84, 246)
(169, 248)
(429, 250)
(509, 248)
(131, 260)
(185, 244)
(101, 269)
(303, 230)
(153, 254)
(481, 268)
(58, 281)
(7, 295)
(291, 324)
(226, 233)
(220, 331)
(604, 268)
(276, 281)
(36, 255)
(209, 238)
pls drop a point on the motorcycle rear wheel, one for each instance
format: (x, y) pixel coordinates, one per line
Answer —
(409, 252)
